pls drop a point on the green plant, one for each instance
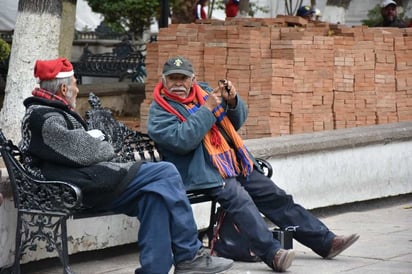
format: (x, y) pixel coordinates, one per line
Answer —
(127, 16)
(374, 17)
(4, 50)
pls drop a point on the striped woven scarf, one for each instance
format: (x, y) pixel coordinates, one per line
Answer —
(225, 159)
(42, 93)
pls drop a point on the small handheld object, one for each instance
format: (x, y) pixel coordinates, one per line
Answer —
(224, 82)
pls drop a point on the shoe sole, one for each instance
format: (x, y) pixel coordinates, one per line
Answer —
(204, 272)
(285, 261)
(351, 241)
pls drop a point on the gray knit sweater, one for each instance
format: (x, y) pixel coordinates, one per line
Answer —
(56, 146)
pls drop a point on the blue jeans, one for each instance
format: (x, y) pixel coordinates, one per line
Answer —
(245, 198)
(157, 197)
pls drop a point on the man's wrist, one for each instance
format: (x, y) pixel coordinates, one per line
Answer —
(232, 103)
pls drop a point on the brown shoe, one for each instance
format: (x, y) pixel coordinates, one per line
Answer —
(340, 243)
(283, 259)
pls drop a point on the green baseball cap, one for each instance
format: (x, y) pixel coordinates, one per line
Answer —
(178, 65)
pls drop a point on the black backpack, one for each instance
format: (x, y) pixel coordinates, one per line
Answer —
(229, 242)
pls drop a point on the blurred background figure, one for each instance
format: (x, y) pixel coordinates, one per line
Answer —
(200, 10)
(390, 15)
(231, 8)
(318, 14)
(306, 12)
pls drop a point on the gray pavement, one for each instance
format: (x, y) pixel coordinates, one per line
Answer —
(385, 246)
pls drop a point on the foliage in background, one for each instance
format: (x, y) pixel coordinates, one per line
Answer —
(182, 11)
(136, 16)
(375, 16)
(127, 16)
(4, 50)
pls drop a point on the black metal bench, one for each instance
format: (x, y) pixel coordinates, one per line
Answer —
(44, 206)
(125, 61)
(131, 145)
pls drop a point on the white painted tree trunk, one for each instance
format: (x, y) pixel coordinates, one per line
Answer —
(36, 36)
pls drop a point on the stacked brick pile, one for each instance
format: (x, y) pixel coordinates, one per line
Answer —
(296, 79)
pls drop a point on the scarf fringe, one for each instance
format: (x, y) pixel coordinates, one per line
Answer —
(225, 163)
(246, 163)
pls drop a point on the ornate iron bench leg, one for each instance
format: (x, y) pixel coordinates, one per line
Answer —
(18, 246)
(50, 228)
(64, 251)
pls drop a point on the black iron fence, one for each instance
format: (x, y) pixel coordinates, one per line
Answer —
(126, 61)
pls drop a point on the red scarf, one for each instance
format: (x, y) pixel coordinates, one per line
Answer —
(42, 93)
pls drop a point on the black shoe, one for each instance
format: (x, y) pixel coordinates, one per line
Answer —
(203, 263)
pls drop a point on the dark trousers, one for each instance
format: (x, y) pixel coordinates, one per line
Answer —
(168, 232)
(246, 198)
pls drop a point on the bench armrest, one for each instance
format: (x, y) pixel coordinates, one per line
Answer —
(31, 194)
(47, 196)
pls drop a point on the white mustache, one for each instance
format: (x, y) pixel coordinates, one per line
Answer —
(178, 89)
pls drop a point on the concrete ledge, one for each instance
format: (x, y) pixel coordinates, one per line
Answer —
(342, 166)
(271, 147)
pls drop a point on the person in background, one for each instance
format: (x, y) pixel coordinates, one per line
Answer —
(318, 14)
(197, 131)
(56, 145)
(231, 8)
(200, 10)
(390, 15)
(306, 12)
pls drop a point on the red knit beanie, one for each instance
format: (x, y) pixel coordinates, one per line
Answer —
(51, 69)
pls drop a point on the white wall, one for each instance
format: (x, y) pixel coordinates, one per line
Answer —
(334, 177)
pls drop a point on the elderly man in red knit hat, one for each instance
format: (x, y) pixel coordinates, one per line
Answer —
(57, 146)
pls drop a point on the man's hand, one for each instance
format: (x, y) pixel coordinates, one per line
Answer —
(213, 100)
(228, 92)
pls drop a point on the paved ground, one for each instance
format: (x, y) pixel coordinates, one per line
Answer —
(385, 246)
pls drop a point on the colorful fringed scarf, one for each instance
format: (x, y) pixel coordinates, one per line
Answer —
(225, 159)
(42, 93)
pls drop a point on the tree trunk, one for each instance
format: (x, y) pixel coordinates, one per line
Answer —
(244, 8)
(36, 36)
(67, 28)
(183, 11)
(291, 8)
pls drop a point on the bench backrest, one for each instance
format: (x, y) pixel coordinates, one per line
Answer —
(31, 194)
(130, 145)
